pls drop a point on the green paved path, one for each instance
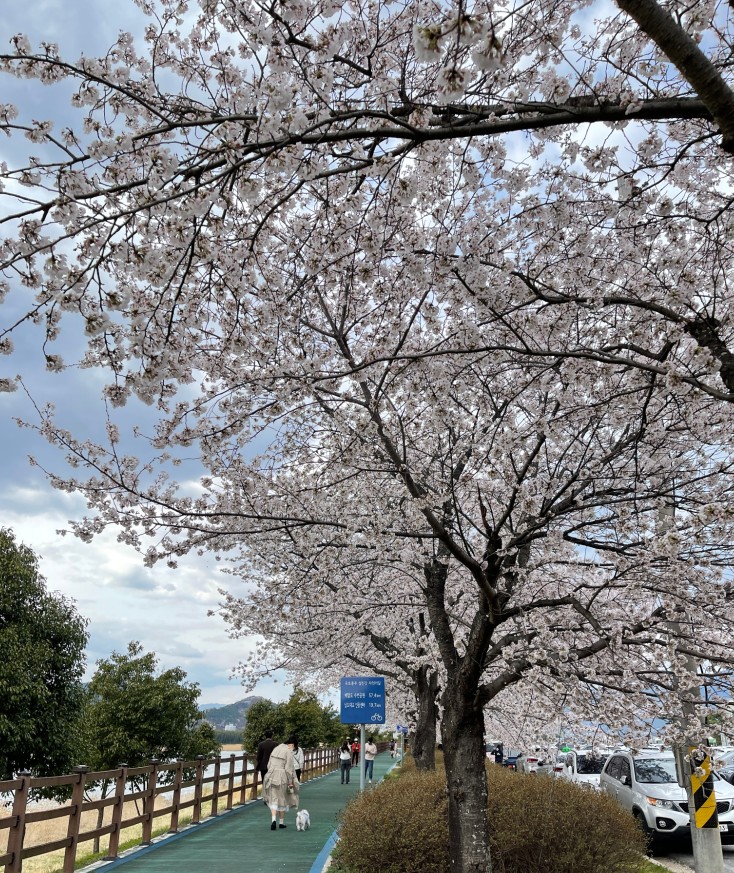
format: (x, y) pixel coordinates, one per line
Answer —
(242, 841)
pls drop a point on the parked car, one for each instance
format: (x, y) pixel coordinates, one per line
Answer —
(647, 785)
(723, 758)
(531, 762)
(721, 751)
(584, 766)
(553, 765)
(510, 761)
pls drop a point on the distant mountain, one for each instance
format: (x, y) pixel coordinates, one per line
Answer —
(204, 706)
(232, 713)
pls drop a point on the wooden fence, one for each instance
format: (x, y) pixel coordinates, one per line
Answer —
(232, 783)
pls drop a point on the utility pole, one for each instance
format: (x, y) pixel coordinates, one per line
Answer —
(693, 763)
(694, 774)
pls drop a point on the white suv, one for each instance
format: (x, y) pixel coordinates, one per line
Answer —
(646, 784)
(584, 766)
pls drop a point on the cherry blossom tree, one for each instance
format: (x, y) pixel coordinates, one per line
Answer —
(358, 623)
(528, 496)
(211, 134)
(463, 272)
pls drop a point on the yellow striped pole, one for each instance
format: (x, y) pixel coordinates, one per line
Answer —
(702, 785)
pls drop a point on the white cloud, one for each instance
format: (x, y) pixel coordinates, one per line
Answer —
(166, 610)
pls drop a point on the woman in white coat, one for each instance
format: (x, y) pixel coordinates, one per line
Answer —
(281, 786)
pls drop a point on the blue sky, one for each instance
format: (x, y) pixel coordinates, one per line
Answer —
(165, 609)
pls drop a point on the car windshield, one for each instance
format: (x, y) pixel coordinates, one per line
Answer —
(655, 770)
(590, 764)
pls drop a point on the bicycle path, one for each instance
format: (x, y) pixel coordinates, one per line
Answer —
(241, 840)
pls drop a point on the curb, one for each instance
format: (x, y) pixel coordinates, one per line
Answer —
(673, 866)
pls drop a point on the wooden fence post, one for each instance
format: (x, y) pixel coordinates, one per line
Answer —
(16, 834)
(114, 843)
(215, 786)
(230, 781)
(243, 787)
(198, 789)
(149, 803)
(75, 818)
(176, 796)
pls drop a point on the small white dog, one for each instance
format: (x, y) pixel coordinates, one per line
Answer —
(303, 820)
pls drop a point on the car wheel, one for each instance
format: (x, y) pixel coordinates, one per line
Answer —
(646, 830)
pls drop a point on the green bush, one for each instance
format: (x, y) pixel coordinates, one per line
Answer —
(398, 827)
(544, 825)
(537, 825)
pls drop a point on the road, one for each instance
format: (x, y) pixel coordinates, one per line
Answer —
(682, 854)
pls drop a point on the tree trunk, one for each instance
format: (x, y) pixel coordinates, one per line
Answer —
(462, 728)
(105, 787)
(100, 821)
(425, 689)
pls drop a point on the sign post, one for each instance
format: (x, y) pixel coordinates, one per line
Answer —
(361, 757)
(402, 730)
(363, 703)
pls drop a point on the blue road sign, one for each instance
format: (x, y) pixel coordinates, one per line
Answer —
(363, 700)
(401, 729)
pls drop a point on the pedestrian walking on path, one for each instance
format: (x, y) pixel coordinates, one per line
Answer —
(370, 751)
(345, 762)
(298, 758)
(264, 750)
(281, 786)
(355, 751)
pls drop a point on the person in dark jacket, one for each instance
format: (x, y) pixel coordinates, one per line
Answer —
(264, 750)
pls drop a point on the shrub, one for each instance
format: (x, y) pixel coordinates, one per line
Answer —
(544, 825)
(399, 827)
(537, 825)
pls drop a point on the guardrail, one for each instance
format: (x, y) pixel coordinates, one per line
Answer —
(233, 781)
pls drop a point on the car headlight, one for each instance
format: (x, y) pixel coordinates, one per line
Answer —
(661, 804)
